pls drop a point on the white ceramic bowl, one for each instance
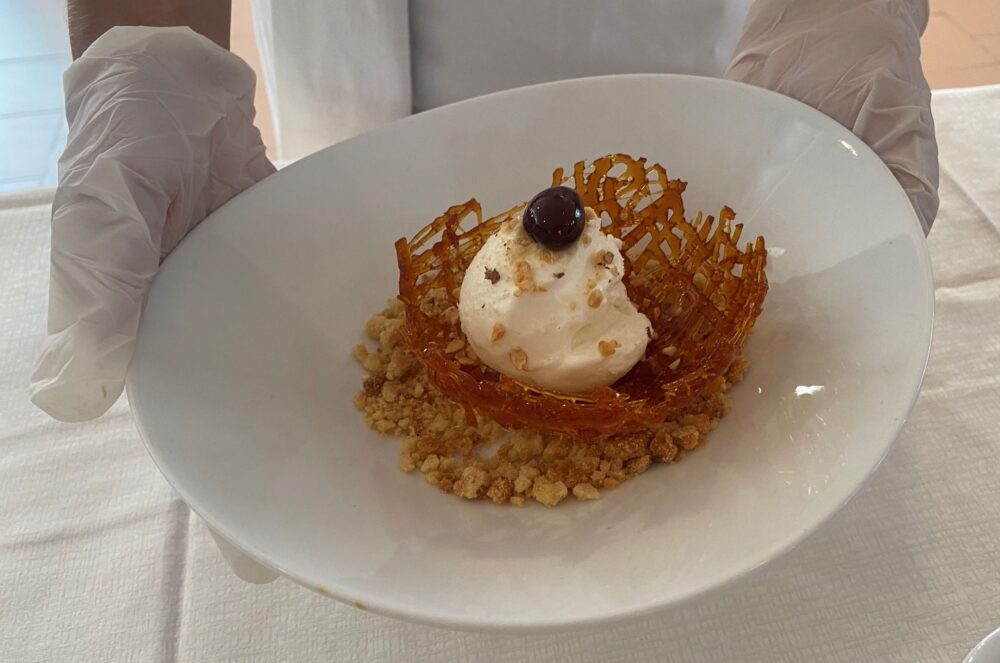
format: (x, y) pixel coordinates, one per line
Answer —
(242, 380)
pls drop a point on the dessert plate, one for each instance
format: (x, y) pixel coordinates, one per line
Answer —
(243, 379)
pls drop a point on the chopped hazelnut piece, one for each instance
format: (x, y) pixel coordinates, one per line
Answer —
(498, 332)
(585, 491)
(472, 483)
(662, 448)
(687, 437)
(603, 258)
(524, 280)
(522, 272)
(501, 490)
(454, 346)
(607, 348)
(549, 493)
(519, 358)
(595, 298)
(675, 364)
(670, 350)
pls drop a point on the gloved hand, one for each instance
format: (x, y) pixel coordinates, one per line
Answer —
(160, 134)
(857, 61)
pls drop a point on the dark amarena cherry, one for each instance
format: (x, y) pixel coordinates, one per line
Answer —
(555, 217)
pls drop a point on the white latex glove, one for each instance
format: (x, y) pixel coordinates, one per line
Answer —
(857, 61)
(160, 134)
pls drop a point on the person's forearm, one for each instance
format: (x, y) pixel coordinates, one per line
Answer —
(89, 19)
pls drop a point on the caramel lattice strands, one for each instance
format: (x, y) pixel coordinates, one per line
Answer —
(700, 291)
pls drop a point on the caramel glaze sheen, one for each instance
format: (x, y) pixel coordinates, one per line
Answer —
(700, 291)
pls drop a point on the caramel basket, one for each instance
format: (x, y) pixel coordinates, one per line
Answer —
(700, 291)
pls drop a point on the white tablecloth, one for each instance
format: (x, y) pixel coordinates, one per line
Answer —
(100, 561)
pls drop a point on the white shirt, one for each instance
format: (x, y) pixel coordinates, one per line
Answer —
(336, 68)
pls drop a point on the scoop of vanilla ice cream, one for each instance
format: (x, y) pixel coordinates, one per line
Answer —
(560, 320)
